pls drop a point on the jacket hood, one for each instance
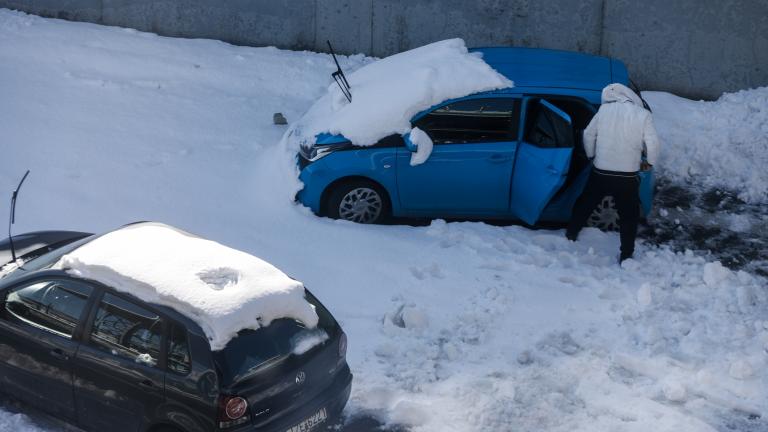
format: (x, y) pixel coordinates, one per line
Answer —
(620, 93)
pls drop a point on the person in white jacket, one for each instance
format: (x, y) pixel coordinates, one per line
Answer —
(615, 140)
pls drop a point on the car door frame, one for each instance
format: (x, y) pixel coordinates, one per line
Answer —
(524, 111)
(86, 349)
(560, 206)
(403, 152)
(37, 333)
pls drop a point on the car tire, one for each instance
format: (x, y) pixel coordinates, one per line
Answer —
(358, 201)
(605, 217)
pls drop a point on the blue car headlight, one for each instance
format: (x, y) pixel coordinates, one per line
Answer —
(316, 152)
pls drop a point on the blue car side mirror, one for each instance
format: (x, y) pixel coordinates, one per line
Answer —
(410, 145)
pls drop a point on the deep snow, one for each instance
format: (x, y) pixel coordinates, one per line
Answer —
(722, 144)
(453, 326)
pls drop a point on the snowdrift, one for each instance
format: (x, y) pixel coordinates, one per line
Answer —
(720, 144)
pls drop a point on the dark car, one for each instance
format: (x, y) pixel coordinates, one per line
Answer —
(106, 361)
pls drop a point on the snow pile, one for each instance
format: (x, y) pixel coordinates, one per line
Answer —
(7, 269)
(424, 146)
(222, 289)
(529, 332)
(19, 422)
(308, 340)
(722, 144)
(387, 93)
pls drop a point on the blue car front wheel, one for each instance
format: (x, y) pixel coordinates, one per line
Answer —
(358, 201)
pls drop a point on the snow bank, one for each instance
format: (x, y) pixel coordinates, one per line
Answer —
(424, 146)
(222, 289)
(387, 93)
(721, 144)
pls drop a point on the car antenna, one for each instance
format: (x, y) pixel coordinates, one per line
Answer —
(339, 76)
(12, 220)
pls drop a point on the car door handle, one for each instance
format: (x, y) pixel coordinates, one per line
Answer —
(59, 354)
(552, 170)
(498, 158)
(147, 383)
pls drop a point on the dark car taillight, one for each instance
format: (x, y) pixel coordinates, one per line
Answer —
(233, 411)
(343, 345)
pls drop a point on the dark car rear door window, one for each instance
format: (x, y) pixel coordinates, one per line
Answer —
(53, 305)
(127, 330)
(178, 351)
(474, 120)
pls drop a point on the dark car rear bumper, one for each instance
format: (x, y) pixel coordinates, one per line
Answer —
(333, 399)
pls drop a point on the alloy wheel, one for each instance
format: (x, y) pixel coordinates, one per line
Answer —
(605, 217)
(361, 205)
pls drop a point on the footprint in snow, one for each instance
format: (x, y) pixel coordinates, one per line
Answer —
(431, 270)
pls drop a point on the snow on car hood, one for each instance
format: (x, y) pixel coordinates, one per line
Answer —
(387, 93)
(222, 289)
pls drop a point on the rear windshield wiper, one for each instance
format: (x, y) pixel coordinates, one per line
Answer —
(263, 365)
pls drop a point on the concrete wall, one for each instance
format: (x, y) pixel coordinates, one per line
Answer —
(696, 48)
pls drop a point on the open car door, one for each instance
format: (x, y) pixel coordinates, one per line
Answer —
(542, 161)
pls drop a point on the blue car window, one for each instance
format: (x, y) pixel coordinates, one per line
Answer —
(473, 120)
(55, 306)
(545, 129)
(580, 111)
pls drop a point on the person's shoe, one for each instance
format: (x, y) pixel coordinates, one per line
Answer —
(624, 256)
(571, 236)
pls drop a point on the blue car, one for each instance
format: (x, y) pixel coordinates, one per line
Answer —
(514, 153)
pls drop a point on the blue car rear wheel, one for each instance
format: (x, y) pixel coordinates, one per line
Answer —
(605, 217)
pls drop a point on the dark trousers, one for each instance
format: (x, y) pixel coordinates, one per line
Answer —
(624, 187)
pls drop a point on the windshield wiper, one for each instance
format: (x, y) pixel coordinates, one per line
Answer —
(12, 219)
(263, 365)
(339, 77)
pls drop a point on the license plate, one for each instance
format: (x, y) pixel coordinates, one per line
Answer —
(311, 422)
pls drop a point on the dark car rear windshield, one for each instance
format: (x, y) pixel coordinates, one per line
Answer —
(253, 350)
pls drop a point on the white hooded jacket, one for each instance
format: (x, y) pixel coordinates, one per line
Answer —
(620, 131)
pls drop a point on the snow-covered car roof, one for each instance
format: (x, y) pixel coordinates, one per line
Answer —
(387, 93)
(222, 289)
